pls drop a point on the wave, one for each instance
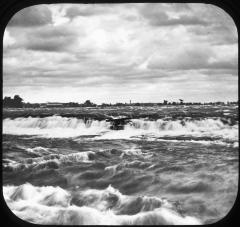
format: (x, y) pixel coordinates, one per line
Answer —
(54, 126)
(48, 161)
(60, 127)
(42, 158)
(213, 128)
(119, 169)
(36, 151)
(54, 205)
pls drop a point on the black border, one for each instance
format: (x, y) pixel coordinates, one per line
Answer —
(9, 7)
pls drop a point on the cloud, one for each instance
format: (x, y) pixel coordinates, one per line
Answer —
(116, 51)
(49, 45)
(156, 16)
(164, 20)
(57, 39)
(46, 38)
(85, 11)
(191, 57)
(31, 16)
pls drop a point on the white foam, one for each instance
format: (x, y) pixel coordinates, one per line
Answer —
(133, 150)
(11, 163)
(51, 205)
(111, 170)
(57, 158)
(54, 126)
(203, 142)
(37, 150)
(45, 195)
(143, 129)
(61, 127)
(235, 144)
(77, 157)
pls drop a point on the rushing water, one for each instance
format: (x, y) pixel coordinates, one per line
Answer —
(64, 170)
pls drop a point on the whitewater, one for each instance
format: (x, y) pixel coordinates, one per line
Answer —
(62, 127)
(154, 171)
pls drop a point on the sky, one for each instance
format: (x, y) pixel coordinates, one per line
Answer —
(108, 53)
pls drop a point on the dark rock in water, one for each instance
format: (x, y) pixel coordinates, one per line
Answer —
(118, 123)
(91, 156)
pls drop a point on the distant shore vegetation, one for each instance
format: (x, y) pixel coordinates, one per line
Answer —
(17, 102)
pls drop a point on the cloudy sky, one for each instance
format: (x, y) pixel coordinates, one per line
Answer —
(117, 52)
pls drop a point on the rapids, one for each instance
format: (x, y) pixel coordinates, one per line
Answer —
(69, 170)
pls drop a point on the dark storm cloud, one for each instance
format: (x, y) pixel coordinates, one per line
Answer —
(164, 20)
(85, 11)
(50, 45)
(54, 32)
(221, 27)
(50, 39)
(31, 16)
(211, 72)
(219, 33)
(156, 16)
(178, 7)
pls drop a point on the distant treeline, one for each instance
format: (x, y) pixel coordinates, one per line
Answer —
(17, 102)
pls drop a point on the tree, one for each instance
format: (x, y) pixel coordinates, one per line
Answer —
(88, 103)
(16, 102)
(119, 104)
(165, 102)
(7, 101)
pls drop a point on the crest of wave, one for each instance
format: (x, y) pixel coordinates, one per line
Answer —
(49, 161)
(54, 205)
(161, 127)
(54, 126)
(57, 126)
